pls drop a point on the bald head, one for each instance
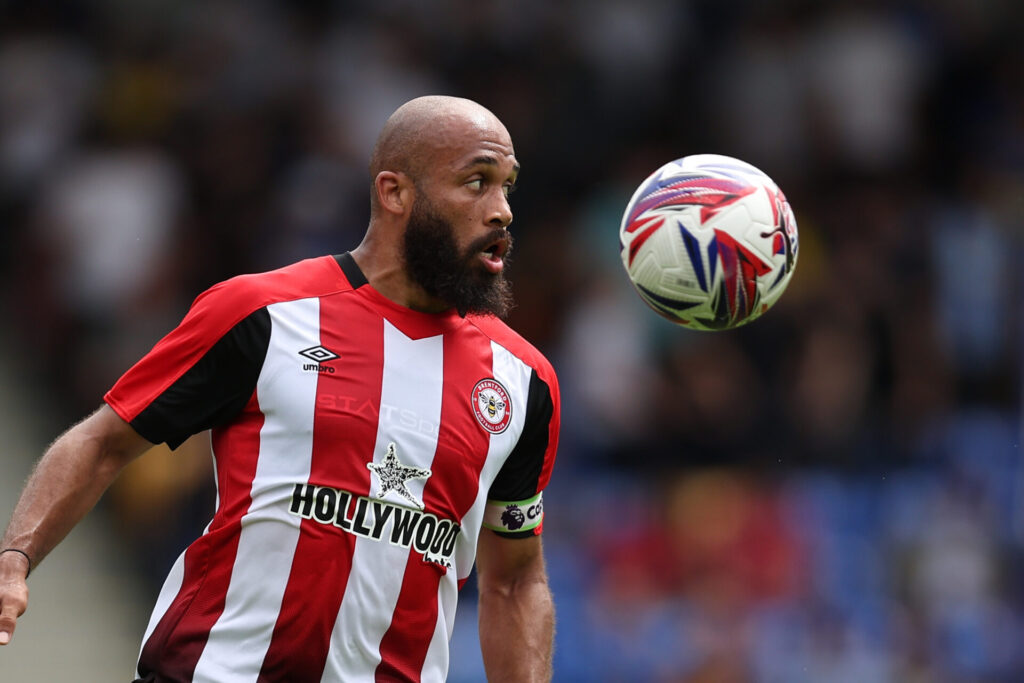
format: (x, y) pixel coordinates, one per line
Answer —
(422, 128)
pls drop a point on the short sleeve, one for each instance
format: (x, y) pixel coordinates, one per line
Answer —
(515, 504)
(201, 374)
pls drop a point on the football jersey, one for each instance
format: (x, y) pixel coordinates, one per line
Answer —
(359, 448)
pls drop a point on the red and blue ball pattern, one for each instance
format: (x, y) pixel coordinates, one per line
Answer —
(735, 280)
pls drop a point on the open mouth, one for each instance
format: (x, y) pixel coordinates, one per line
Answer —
(493, 254)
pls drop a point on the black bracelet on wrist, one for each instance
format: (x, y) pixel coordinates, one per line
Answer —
(15, 550)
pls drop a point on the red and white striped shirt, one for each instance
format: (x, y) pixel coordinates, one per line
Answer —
(359, 448)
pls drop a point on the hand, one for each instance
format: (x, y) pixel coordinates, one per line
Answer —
(13, 593)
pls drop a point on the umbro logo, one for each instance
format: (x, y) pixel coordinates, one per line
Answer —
(319, 355)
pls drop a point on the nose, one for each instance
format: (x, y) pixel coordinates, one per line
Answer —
(501, 216)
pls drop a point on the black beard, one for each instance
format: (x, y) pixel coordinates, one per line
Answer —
(434, 262)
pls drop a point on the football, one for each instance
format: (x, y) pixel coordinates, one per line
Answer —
(709, 242)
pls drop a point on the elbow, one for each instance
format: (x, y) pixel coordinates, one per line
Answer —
(509, 586)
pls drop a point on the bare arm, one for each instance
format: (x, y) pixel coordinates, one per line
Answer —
(66, 483)
(517, 613)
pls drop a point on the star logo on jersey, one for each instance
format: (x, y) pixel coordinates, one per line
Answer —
(394, 476)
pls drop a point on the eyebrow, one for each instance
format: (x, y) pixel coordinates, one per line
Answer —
(489, 161)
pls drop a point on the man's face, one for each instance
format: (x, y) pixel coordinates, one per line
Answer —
(463, 276)
(456, 239)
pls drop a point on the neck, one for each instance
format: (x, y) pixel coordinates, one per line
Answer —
(384, 267)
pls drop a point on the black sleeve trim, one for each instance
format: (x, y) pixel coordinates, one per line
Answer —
(353, 274)
(212, 391)
(520, 474)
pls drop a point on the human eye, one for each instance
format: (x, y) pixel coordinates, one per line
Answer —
(476, 184)
(508, 188)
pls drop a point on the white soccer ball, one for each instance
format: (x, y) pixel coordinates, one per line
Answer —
(709, 242)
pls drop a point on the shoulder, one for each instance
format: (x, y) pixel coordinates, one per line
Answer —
(239, 296)
(499, 332)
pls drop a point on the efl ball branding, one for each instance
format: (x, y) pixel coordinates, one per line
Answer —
(491, 405)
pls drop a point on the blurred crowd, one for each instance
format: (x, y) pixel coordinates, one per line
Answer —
(834, 493)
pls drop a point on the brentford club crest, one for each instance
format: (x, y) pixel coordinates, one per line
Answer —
(491, 405)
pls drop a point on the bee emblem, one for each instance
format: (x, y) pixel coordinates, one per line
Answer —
(491, 405)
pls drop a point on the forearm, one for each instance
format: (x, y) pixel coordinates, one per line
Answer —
(65, 484)
(517, 625)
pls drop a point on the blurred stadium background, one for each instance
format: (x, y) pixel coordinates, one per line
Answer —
(834, 494)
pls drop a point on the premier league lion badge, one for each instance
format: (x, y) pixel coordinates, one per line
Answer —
(491, 405)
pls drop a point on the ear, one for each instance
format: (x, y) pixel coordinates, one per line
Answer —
(394, 190)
